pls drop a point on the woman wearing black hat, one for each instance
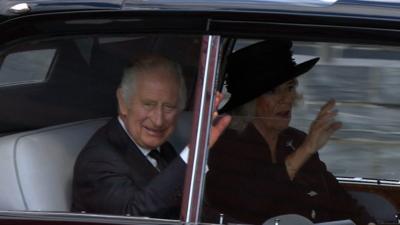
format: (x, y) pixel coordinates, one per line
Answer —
(261, 167)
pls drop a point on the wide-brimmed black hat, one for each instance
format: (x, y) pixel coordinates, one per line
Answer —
(258, 68)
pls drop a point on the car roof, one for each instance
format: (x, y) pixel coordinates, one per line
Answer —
(354, 8)
(14, 8)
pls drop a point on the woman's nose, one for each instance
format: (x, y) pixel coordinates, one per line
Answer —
(289, 97)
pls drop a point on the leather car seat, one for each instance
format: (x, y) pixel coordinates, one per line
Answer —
(377, 206)
(37, 166)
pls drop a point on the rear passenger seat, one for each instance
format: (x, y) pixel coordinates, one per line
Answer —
(37, 166)
(377, 206)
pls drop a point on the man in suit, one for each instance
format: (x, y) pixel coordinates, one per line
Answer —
(128, 167)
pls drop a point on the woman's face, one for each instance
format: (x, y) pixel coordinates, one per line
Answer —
(274, 108)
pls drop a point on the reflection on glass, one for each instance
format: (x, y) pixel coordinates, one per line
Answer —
(26, 67)
(364, 80)
(251, 178)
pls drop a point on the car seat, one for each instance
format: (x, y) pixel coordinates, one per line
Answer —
(37, 166)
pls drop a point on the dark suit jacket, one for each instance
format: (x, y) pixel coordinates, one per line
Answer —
(244, 183)
(112, 176)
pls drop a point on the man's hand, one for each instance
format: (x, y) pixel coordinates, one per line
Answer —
(219, 123)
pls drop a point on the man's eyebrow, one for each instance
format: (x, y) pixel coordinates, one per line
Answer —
(148, 100)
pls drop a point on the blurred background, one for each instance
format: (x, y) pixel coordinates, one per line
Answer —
(365, 81)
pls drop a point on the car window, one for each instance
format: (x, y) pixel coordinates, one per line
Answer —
(364, 81)
(245, 178)
(75, 78)
(69, 92)
(26, 67)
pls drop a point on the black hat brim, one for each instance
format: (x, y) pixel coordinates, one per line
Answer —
(242, 98)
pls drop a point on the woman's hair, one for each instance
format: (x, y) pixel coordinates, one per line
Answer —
(148, 63)
(242, 115)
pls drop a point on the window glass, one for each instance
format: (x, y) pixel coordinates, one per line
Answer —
(282, 152)
(364, 81)
(26, 67)
(81, 74)
(142, 86)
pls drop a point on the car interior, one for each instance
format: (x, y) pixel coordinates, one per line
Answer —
(82, 76)
(57, 106)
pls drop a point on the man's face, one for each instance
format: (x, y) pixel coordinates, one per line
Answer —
(274, 108)
(151, 113)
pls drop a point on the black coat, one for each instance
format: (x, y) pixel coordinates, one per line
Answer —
(243, 182)
(112, 176)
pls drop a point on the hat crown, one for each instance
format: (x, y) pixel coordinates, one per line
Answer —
(255, 62)
(260, 67)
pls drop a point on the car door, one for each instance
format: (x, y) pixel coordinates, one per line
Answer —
(82, 54)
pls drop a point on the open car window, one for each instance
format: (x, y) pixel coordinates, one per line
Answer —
(57, 93)
(248, 182)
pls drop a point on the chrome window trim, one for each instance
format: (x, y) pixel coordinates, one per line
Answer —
(194, 182)
(82, 217)
(368, 181)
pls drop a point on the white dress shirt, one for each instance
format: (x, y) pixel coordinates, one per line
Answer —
(184, 154)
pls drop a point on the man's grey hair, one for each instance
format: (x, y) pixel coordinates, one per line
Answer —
(148, 63)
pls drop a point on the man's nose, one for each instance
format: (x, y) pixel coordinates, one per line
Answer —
(157, 116)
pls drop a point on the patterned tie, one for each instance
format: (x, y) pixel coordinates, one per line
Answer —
(161, 163)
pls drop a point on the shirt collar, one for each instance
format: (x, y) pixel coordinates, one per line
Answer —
(143, 150)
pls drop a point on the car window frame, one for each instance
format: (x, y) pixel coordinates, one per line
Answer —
(238, 28)
(203, 100)
(201, 125)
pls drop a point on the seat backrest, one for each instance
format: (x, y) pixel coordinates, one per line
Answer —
(37, 166)
(181, 136)
(377, 206)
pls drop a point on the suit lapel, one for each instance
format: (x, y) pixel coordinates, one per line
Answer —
(141, 169)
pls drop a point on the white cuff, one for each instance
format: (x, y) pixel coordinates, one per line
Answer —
(185, 154)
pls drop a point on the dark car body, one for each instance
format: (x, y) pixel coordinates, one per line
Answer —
(82, 46)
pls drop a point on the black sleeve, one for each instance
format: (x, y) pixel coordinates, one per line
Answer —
(106, 185)
(314, 174)
(343, 200)
(341, 204)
